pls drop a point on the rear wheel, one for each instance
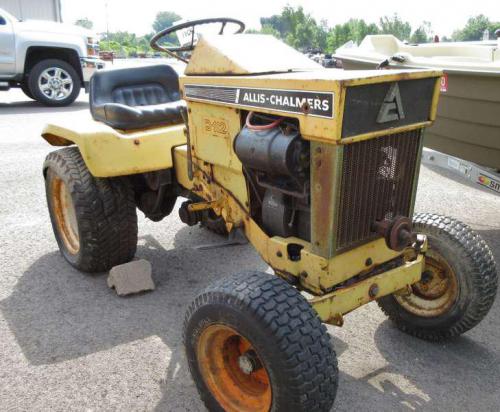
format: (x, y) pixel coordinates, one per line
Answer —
(94, 220)
(253, 343)
(458, 285)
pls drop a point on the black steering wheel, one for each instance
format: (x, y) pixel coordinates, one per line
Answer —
(172, 51)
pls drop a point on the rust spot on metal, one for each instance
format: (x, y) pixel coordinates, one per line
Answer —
(373, 291)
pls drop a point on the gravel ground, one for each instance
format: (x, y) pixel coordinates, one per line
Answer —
(67, 342)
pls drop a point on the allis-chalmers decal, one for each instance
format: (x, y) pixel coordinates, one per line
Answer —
(312, 103)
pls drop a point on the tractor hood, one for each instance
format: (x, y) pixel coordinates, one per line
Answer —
(244, 54)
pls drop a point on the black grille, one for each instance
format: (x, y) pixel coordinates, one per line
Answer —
(377, 182)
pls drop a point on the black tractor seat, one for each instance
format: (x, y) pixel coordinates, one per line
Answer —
(136, 98)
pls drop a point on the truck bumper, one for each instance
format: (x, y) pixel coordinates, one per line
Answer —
(89, 66)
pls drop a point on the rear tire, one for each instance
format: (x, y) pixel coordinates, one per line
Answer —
(288, 361)
(94, 219)
(69, 91)
(458, 286)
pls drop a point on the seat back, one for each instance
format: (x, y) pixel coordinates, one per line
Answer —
(136, 86)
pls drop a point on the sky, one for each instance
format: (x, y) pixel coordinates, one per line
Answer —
(137, 16)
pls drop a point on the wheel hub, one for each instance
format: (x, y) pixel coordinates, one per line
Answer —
(249, 362)
(55, 83)
(232, 370)
(437, 290)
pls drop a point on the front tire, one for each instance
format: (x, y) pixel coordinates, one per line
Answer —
(94, 219)
(253, 343)
(458, 285)
(26, 89)
(54, 82)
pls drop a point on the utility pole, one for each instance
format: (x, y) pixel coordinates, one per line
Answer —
(107, 20)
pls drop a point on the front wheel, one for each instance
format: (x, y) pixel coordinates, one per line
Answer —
(54, 82)
(94, 219)
(458, 285)
(253, 343)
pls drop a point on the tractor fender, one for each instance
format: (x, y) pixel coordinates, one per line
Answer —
(108, 152)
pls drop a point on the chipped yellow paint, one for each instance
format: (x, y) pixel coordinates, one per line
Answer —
(332, 306)
(108, 152)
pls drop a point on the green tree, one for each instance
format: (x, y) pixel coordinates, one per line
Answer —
(84, 22)
(354, 29)
(423, 34)
(475, 28)
(163, 20)
(395, 26)
(298, 28)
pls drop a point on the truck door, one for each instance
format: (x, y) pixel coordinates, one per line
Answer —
(7, 47)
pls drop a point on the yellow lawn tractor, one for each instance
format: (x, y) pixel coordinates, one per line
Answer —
(318, 168)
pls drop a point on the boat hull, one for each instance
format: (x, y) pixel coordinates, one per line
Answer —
(468, 117)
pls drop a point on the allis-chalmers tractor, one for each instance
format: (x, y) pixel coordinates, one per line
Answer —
(319, 169)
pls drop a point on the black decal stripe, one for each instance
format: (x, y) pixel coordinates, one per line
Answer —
(319, 104)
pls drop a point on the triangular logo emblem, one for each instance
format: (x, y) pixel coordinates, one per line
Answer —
(392, 107)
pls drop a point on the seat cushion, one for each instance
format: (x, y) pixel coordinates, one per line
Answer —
(136, 98)
(121, 116)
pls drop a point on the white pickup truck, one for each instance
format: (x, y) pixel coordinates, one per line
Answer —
(49, 61)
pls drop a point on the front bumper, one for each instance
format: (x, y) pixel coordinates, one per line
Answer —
(89, 66)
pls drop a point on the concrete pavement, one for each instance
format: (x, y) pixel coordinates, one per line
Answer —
(67, 342)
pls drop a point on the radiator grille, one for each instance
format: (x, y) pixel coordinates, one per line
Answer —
(377, 182)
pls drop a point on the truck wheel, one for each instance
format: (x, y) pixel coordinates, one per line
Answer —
(253, 343)
(94, 219)
(458, 285)
(54, 82)
(214, 223)
(26, 90)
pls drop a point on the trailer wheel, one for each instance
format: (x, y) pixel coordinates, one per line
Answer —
(458, 285)
(253, 343)
(94, 219)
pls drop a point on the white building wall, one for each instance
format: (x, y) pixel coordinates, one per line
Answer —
(33, 9)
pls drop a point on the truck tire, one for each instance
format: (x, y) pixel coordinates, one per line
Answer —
(26, 90)
(54, 82)
(94, 219)
(253, 342)
(458, 285)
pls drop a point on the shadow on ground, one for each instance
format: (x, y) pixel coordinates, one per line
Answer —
(57, 314)
(31, 106)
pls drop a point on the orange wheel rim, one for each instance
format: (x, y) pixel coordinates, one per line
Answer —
(65, 215)
(233, 371)
(436, 293)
